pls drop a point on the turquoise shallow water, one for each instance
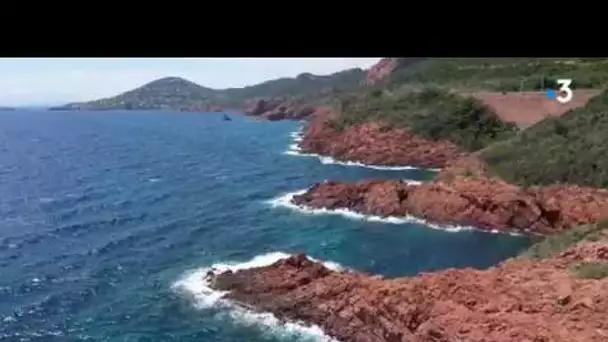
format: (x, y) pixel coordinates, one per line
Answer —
(102, 214)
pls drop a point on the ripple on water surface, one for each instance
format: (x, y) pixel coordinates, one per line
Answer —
(105, 218)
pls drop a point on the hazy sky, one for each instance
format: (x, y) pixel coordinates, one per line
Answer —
(52, 81)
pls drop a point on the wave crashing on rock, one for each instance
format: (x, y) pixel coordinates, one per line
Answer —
(520, 300)
(197, 286)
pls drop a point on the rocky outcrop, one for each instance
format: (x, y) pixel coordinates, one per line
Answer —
(274, 110)
(519, 300)
(378, 144)
(381, 70)
(469, 200)
(574, 205)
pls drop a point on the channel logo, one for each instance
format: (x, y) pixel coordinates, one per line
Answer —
(564, 93)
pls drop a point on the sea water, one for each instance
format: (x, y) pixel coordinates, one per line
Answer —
(108, 220)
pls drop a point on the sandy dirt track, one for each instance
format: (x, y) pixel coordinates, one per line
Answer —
(527, 108)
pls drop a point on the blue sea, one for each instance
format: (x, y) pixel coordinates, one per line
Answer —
(107, 220)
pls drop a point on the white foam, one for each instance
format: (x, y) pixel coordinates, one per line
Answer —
(285, 202)
(330, 160)
(296, 136)
(295, 150)
(196, 285)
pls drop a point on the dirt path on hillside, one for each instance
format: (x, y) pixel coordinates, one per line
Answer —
(527, 108)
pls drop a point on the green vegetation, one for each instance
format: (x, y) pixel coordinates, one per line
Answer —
(304, 87)
(556, 244)
(568, 149)
(432, 113)
(504, 74)
(177, 93)
(591, 270)
(165, 93)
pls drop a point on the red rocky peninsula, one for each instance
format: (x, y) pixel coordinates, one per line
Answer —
(274, 110)
(377, 144)
(467, 197)
(519, 300)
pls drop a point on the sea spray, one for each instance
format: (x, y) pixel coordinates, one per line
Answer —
(285, 201)
(196, 285)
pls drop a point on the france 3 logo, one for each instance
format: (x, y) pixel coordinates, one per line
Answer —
(564, 93)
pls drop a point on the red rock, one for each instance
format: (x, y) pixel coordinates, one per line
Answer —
(519, 300)
(474, 200)
(259, 107)
(573, 205)
(274, 110)
(376, 143)
(381, 70)
(215, 109)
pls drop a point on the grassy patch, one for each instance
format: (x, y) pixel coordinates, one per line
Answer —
(591, 270)
(505, 74)
(569, 149)
(556, 244)
(433, 113)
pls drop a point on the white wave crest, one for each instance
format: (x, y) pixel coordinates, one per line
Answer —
(295, 150)
(285, 202)
(330, 160)
(296, 136)
(196, 285)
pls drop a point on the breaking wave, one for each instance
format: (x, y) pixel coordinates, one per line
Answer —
(196, 286)
(285, 202)
(295, 150)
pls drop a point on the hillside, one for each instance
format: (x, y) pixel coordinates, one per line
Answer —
(483, 79)
(512, 88)
(528, 108)
(431, 113)
(164, 93)
(179, 94)
(566, 149)
(501, 74)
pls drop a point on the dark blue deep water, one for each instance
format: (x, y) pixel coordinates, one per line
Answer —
(102, 213)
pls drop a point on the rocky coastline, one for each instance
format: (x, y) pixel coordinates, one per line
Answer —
(516, 301)
(522, 299)
(484, 203)
(464, 193)
(275, 110)
(375, 143)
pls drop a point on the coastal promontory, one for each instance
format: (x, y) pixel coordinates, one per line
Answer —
(549, 294)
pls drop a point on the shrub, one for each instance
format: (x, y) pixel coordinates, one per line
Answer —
(591, 270)
(556, 244)
(431, 112)
(568, 149)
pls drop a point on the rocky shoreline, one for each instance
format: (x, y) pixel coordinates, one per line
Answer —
(376, 144)
(462, 194)
(484, 203)
(534, 300)
(519, 300)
